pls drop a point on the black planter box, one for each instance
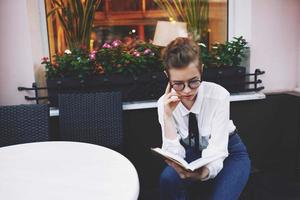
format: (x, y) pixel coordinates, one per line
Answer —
(231, 78)
(144, 87)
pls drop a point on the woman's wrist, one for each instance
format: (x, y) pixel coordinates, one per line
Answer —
(167, 117)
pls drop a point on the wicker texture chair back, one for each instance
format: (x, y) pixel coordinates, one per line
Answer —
(23, 124)
(92, 118)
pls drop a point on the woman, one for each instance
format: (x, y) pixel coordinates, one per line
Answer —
(194, 116)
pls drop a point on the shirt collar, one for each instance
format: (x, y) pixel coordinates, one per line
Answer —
(197, 104)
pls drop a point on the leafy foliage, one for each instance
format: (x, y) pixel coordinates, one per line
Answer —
(224, 54)
(76, 17)
(110, 59)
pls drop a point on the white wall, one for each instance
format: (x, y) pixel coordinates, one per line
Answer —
(275, 42)
(39, 40)
(239, 18)
(298, 68)
(273, 31)
(15, 58)
(21, 48)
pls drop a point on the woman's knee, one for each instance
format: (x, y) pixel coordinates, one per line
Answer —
(169, 176)
(171, 185)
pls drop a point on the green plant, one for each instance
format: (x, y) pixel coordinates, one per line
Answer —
(112, 58)
(224, 54)
(142, 58)
(76, 18)
(73, 63)
(193, 12)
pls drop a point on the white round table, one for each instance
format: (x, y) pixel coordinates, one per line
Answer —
(65, 171)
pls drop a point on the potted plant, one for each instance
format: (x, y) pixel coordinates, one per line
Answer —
(222, 63)
(136, 71)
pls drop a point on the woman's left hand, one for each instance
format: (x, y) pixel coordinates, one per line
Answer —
(198, 174)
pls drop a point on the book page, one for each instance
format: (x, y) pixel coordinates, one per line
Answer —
(196, 164)
(192, 166)
(167, 155)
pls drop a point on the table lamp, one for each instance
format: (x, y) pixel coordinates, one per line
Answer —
(166, 31)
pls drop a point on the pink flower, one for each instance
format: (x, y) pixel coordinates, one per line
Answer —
(147, 51)
(92, 56)
(45, 59)
(136, 53)
(106, 46)
(116, 43)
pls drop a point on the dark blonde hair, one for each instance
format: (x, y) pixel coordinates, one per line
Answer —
(180, 53)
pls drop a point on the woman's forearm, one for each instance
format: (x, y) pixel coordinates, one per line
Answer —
(169, 128)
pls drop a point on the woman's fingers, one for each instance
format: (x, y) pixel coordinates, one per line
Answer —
(174, 98)
(199, 171)
(167, 96)
(171, 100)
(181, 172)
(182, 176)
(168, 88)
(168, 101)
(185, 174)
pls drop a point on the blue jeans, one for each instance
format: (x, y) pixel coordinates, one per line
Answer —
(227, 185)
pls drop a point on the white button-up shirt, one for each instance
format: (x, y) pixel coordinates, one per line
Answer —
(212, 112)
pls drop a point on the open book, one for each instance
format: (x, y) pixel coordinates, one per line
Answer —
(192, 166)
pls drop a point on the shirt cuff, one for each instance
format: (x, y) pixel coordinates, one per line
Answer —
(214, 168)
(174, 147)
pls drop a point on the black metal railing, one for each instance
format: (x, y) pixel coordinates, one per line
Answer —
(253, 85)
(35, 89)
(256, 81)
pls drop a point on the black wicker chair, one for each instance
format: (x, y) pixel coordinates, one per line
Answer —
(23, 124)
(92, 118)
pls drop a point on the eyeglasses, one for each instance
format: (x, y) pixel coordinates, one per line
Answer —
(179, 86)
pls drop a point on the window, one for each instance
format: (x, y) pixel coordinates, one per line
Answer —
(128, 19)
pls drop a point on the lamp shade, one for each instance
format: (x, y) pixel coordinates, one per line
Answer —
(167, 31)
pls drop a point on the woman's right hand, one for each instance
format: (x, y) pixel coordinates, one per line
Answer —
(171, 100)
